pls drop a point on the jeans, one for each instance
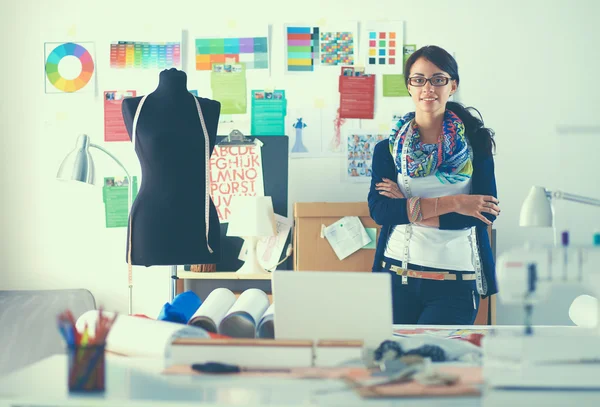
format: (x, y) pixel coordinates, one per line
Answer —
(432, 302)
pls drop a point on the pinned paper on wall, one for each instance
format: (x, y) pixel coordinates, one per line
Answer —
(308, 47)
(115, 195)
(269, 109)
(333, 142)
(360, 147)
(228, 84)
(346, 236)
(394, 84)
(70, 67)
(381, 46)
(304, 126)
(114, 125)
(357, 93)
(145, 54)
(235, 171)
(242, 44)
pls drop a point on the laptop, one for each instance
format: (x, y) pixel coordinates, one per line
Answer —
(325, 305)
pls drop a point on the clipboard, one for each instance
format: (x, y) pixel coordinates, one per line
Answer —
(275, 160)
(237, 138)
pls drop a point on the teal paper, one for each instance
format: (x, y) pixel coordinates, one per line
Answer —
(372, 232)
(268, 113)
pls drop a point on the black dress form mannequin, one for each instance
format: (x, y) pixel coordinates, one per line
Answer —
(168, 224)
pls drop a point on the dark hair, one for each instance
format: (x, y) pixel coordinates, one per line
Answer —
(480, 137)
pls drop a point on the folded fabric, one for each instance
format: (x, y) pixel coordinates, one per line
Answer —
(438, 349)
(181, 309)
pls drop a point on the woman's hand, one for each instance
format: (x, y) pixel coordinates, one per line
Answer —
(389, 188)
(477, 205)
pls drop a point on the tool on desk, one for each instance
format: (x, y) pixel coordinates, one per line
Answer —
(224, 368)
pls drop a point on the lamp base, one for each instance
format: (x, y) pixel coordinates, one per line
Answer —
(251, 265)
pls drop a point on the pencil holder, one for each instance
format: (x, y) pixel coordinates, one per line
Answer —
(86, 368)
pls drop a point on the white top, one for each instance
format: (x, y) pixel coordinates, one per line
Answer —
(427, 246)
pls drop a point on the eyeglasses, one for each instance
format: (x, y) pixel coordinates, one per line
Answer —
(420, 81)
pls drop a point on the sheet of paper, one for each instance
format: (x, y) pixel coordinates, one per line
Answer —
(318, 45)
(214, 308)
(304, 129)
(393, 86)
(114, 126)
(269, 109)
(372, 232)
(381, 46)
(346, 236)
(269, 249)
(247, 42)
(228, 84)
(357, 94)
(115, 195)
(235, 170)
(140, 337)
(360, 147)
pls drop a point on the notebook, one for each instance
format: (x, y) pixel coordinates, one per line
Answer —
(324, 305)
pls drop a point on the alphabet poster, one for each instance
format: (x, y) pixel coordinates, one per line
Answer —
(235, 171)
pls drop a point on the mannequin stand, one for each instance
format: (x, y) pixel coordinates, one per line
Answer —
(174, 278)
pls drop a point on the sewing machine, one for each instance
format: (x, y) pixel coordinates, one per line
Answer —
(531, 357)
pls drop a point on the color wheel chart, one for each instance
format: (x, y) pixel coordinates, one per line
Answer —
(337, 48)
(69, 66)
(253, 51)
(302, 48)
(383, 49)
(145, 55)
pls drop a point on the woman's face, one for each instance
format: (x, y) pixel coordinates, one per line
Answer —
(429, 98)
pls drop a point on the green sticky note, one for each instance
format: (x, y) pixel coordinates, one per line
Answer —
(372, 232)
(393, 86)
(114, 195)
(228, 83)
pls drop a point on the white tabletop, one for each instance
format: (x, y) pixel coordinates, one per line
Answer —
(138, 382)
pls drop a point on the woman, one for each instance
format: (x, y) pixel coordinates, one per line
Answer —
(433, 191)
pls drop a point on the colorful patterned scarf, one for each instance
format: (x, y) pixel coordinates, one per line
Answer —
(450, 159)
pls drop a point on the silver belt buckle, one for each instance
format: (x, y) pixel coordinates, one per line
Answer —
(404, 280)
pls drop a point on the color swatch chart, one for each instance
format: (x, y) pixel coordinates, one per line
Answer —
(302, 48)
(145, 55)
(253, 51)
(337, 48)
(383, 49)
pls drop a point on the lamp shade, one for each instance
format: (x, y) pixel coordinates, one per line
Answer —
(251, 216)
(78, 164)
(536, 210)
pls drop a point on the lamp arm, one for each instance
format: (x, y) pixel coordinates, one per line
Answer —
(129, 180)
(572, 197)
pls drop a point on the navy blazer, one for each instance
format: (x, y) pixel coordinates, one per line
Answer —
(389, 212)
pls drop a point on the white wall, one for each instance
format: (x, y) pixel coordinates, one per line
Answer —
(528, 66)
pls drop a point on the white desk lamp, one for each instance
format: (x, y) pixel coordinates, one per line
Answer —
(252, 217)
(79, 166)
(537, 208)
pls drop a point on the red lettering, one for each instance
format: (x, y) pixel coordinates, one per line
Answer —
(221, 163)
(251, 173)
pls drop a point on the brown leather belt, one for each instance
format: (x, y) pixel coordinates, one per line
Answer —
(428, 275)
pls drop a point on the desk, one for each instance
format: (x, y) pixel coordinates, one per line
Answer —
(137, 382)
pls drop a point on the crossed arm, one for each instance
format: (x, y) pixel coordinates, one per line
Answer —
(388, 206)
